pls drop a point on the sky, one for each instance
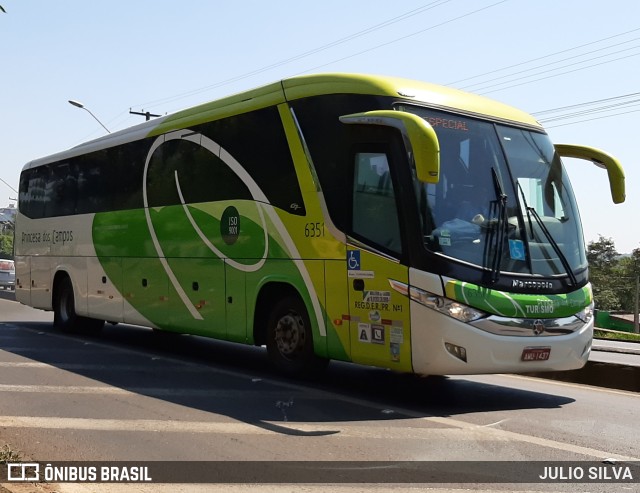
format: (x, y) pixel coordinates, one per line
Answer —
(161, 56)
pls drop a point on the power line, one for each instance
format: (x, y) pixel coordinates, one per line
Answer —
(573, 111)
(554, 75)
(8, 185)
(429, 6)
(305, 54)
(601, 109)
(569, 112)
(395, 40)
(553, 110)
(543, 57)
(405, 37)
(439, 3)
(592, 119)
(482, 90)
(557, 62)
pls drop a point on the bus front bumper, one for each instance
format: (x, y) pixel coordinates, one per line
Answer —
(441, 345)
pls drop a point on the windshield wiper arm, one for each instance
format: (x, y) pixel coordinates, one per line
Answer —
(526, 208)
(556, 247)
(501, 202)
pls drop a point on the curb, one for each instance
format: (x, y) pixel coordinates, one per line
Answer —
(611, 349)
(598, 374)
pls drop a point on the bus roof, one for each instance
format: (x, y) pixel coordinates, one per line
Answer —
(300, 87)
(406, 90)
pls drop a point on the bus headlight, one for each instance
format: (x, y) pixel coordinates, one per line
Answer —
(587, 314)
(449, 307)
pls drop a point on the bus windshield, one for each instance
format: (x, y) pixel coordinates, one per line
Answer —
(503, 202)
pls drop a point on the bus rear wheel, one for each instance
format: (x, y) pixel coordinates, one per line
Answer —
(65, 317)
(290, 340)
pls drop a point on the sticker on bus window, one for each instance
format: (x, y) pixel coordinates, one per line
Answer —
(516, 250)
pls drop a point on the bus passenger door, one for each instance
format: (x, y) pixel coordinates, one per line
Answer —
(378, 314)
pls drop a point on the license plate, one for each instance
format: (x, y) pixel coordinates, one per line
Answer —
(536, 353)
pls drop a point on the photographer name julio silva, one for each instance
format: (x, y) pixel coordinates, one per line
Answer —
(601, 473)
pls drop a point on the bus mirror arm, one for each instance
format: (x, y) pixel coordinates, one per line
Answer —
(602, 160)
(420, 137)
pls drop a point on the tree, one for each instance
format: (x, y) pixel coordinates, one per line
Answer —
(627, 271)
(602, 254)
(6, 246)
(603, 260)
(635, 261)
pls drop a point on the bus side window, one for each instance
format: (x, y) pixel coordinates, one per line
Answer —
(375, 215)
(33, 186)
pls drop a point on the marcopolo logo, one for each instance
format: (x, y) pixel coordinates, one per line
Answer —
(537, 285)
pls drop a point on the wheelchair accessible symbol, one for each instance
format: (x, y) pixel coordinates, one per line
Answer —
(516, 250)
(353, 259)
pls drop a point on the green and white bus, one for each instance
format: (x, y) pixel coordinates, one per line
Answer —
(368, 219)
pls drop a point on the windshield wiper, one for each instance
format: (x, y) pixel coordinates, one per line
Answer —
(556, 248)
(526, 208)
(532, 212)
(497, 237)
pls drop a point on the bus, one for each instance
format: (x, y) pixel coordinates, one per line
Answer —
(367, 219)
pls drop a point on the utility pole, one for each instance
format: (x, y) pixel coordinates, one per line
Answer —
(146, 114)
(636, 315)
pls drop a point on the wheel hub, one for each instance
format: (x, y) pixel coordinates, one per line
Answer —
(290, 334)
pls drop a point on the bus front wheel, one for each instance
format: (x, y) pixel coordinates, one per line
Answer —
(290, 340)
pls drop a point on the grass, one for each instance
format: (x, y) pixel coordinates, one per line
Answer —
(616, 335)
(7, 454)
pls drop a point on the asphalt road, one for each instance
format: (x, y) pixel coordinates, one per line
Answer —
(135, 395)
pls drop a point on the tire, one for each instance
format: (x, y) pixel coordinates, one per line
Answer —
(65, 317)
(290, 339)
(64, 307)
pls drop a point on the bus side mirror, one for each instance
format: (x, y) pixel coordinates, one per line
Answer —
(602, 160)
(420, 138)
